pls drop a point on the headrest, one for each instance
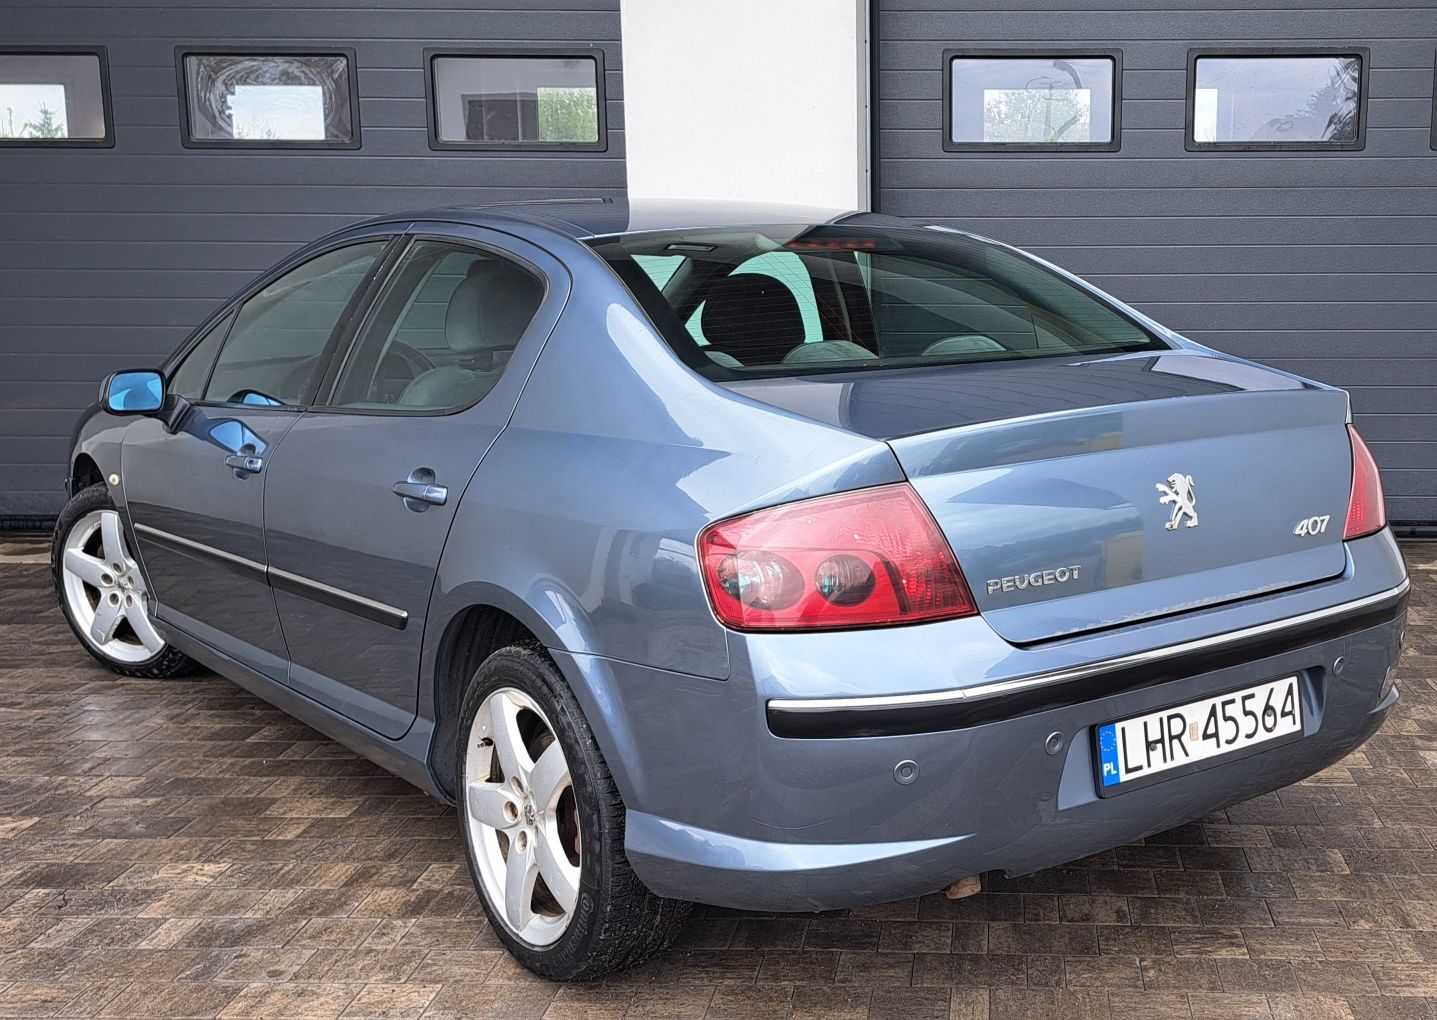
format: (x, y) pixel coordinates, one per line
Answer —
(970, 343)
(491, 306)
(828, 350)
(752, 317)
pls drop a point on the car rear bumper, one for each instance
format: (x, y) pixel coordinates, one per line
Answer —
(724, 810)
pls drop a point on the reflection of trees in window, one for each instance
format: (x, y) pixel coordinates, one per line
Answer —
(1036, 114)
(45, 125)
(1340, 96)
(1328, 114)
(543, 115)
(568, 115)
(33, 111)
(1046, 109)
(269, 97)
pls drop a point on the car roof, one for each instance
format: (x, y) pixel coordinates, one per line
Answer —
(586, 218)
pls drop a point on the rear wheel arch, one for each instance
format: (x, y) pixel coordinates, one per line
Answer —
(471, 636)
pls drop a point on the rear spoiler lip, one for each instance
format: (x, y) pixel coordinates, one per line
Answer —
(960, 708)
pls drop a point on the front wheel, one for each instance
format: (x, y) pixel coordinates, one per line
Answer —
(103, 593)
(543, 827)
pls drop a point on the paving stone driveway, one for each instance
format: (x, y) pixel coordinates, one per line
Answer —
(183, 849)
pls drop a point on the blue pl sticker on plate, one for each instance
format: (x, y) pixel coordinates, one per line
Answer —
(1108, 753)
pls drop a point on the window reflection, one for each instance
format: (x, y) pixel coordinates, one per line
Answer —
(1276, 100)
(1031, 100)
(273, 98)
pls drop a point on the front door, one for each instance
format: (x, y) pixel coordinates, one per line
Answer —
(358, 509)
(196, 496)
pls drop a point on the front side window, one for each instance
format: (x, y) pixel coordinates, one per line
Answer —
(791, 300)
(274, 348)
(442, 331)
(54, 99)
(275, 100)
(498, 101)
(1287, 101)
(189, 376)
(1032, 102)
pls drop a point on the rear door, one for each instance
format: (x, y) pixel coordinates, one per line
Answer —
(196, 495)
(358, 509)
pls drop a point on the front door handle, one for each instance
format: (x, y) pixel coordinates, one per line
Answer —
(420, 492)
(246, 461)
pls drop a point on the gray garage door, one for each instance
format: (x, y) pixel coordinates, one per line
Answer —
(1321, 260)
(109, 256)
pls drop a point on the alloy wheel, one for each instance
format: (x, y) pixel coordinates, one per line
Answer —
(105, 590)
(522, 817)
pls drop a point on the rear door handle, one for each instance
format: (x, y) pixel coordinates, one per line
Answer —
(420, 492)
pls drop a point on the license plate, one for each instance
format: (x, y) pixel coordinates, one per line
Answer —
(1144, 747)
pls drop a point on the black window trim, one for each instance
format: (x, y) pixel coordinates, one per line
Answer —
(349, 339)
(1030, 52)
(226, 318)
(431, 104)
(262, 49)
(101, 52)
(1363, 53)
(392, 240)
(1434, 103)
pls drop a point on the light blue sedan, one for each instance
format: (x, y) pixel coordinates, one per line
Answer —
(769, 558)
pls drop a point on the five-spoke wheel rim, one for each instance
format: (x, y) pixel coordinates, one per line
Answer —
(105, 590)
(522, 817)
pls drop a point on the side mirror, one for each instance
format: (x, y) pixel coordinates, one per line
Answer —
(139, 391)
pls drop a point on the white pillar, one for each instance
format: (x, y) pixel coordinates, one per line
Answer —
(758, 100)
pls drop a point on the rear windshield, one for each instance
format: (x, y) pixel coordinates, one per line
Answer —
(790, 300)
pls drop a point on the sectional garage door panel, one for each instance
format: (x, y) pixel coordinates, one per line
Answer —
(109, 257)
(1323, 263)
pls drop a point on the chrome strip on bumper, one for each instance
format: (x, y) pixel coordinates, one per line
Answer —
(977, 692)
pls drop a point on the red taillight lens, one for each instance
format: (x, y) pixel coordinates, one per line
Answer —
(1366, 510)
(870, 558)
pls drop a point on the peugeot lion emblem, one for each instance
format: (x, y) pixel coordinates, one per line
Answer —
(1179, 492)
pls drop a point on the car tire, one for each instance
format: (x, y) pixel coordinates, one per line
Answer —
(88, 544)
(614, 921)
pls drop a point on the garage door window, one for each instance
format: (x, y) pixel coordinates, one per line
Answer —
(484, 100)
(49, 98)
(1028, 101)
(1257, 101)
(269, 100)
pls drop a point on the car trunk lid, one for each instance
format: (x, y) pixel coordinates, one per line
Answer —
(1085, 495)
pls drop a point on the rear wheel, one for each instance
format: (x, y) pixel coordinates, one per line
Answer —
(543, 827)
(103, 593)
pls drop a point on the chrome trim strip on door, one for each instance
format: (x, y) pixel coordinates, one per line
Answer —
(246, 567)
(998, 688)
(329, 595)
(296, 584)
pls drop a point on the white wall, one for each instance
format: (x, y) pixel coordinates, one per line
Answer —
(761, 100)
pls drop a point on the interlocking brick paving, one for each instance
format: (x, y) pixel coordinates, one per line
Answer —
(184, 849)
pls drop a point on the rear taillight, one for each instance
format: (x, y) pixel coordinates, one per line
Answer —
(1366, 510)
(870, 558)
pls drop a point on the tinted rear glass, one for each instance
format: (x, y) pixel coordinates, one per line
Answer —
(791, 300)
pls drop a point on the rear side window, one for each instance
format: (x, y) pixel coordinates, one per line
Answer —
(797, 299)
(442, 331)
